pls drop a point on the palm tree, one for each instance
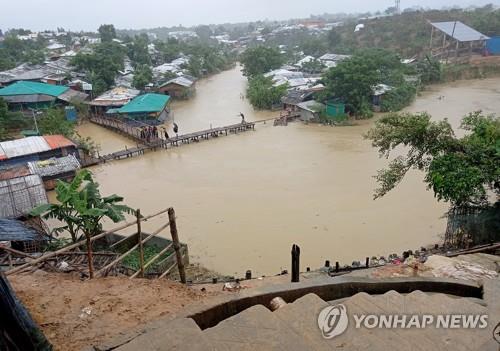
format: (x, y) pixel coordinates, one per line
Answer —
(81, 208)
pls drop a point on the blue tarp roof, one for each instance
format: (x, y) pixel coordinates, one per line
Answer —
(14, 230)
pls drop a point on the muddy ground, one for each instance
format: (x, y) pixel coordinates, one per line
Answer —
(74, 313)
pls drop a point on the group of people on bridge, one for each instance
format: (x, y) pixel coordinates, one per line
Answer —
(152, 133)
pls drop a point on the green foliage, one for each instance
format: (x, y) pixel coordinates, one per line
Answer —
(102, 65)
(81, 207)
(138, 50)
(334, 39)
(429, 70)
(107, 32)
(352, 80)
(142, 76)
(14, 51)
(458, 170)
(262, 94)
(398, 98)
(260, 60)
(314, 66)
(133, 260)
(10, 121)
(53, 121)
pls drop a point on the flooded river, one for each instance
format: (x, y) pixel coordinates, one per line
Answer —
(243, 200)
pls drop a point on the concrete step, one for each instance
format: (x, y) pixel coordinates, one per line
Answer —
(302, 317)
(256, 328)
(180, 334)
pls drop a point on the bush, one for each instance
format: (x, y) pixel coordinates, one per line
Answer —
(398, 98)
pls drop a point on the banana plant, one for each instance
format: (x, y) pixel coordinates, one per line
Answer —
(81, 209)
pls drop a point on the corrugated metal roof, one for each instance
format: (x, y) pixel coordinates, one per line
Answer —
(459, 31)
(311, 106)
(146, 103)
(58, 141)
(73, 95)
(183, 81)
(24, 146)
(18, 196)
(14, 172)
(14, 230)
(118, 96)
(54, 166)
(30, 88)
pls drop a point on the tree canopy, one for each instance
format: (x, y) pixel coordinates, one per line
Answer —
(352, 80)
(143, 75)
(107, 32)
(262, 94)
(460, 170)
(102, 65)
(260, 60)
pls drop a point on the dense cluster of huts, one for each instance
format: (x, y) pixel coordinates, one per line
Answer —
(28, 168)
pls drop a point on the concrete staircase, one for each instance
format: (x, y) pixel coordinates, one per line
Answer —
(294, 327)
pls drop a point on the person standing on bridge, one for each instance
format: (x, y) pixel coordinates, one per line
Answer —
(176, 129)
(166, 134)
(155, 132)
(242, 117)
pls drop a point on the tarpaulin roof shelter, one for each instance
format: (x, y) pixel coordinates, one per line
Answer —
(14, 230)
(459, 31)
(146, 103)
(32, 88)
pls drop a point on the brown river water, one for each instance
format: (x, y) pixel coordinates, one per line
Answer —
(243, 200)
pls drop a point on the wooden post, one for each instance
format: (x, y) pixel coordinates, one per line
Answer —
(295, 263)
(89, 256)
(139, 237)
(177, 246)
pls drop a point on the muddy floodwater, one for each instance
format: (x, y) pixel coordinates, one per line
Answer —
(243, 200)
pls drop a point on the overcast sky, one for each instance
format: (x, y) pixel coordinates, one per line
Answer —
(89, 14)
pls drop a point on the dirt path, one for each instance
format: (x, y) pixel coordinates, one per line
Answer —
(75, 313)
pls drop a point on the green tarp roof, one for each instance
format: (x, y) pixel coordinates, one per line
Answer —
(31, 88)
(146, 103)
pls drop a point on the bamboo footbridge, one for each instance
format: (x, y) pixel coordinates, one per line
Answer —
(158, 143)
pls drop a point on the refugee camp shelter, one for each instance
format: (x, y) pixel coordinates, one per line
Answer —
(116, 97)
(453, 39)
(28, 95)
(310, 110)
(18, 196)
(21, 236)
(35, 148)
(335, 111)
(180, 87)
(53, 169)
(147, 107)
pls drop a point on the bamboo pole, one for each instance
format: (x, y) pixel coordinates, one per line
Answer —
(104, 269)
(139, 237)
(89, 256)
(177, 246)
(80, 243)
(167, 271)
(20, 253)
(150, 262)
